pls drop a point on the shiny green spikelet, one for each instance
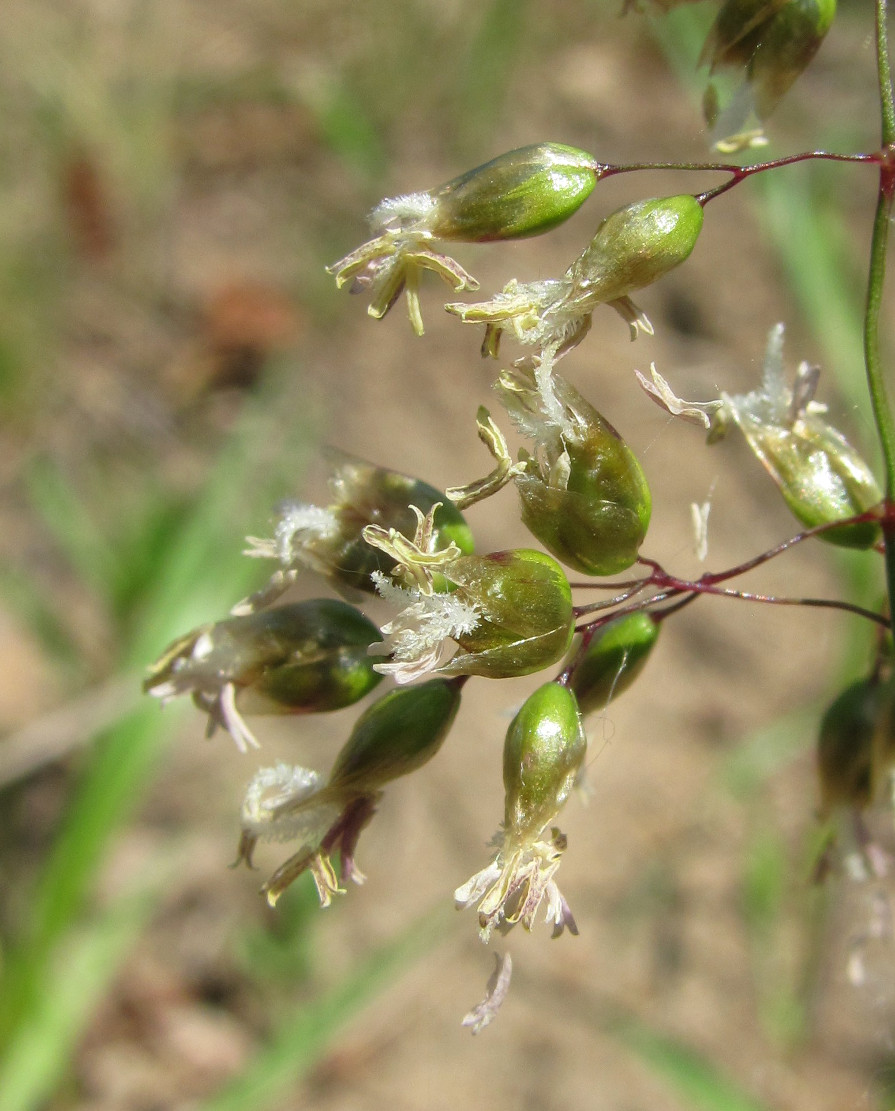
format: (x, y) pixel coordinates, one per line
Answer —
(305, 657)
(526, 616)
(637, 245)
(597, 518)
(542, 755)
(613, 659)
(396, 735)
(522, 193)
(822, 477)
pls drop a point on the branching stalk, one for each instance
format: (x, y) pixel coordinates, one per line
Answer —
(739, 174)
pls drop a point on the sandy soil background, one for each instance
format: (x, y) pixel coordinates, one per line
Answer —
(182, 173)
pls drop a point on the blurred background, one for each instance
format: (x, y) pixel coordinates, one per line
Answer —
(174, 176)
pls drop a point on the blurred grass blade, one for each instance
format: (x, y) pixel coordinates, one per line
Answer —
(37, 1058)
(205, 571)
(747, 769)
(701, 1086)
(764, 884)
(807, 236)
(770, 891)
(68, 727)
(120, 767)
(302, 1037)
(487, 71)
(202, 575)
(348, 129)
(72, 526)
(39, 613)
(282, 949)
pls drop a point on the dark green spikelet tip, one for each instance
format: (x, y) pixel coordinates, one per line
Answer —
(772, 42)
(327, 665)
(368, 494)
(845, 747)
(399, 733)
(613, 659)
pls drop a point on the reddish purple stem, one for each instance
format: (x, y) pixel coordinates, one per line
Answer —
(739, 174)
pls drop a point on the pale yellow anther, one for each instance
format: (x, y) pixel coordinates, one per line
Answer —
(415, 560)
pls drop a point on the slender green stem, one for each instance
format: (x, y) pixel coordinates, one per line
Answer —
(884, 71)
(882, 412)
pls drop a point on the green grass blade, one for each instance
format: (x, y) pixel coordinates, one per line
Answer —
(486, 80)
(121, 764)
(68, 728)
(348, 129)
(699, 1084)
(301, 1039)
(202, 576)
(37, 1057)
(39, 613)
(71, 524)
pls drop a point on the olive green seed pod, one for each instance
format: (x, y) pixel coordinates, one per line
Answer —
(635, 246)
(522, 193)
(329, 668)
(399, 733)
(330, 540)
(845, 747)
(393, 737)
(583, 492)
(301, 658)
(821, 476)
(375, 495)
(596, 521)
(526, 617)
(612, 660)
(543, 752)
